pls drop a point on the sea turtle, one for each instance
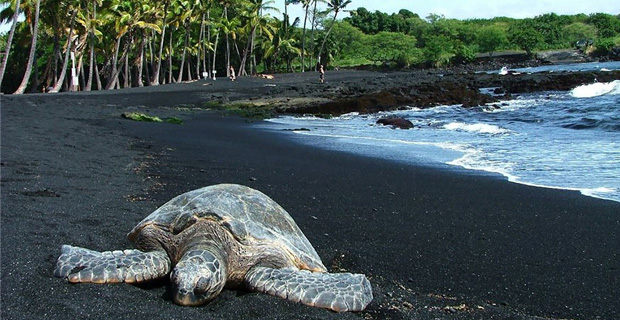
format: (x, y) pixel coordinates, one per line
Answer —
(222, 235)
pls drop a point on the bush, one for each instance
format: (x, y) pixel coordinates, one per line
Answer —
(465, 54)
(439, 51)
(604, 46)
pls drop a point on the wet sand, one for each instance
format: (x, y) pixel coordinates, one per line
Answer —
(434, 243)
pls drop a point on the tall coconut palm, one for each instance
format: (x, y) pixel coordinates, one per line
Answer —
(228, 27)
(306, 6)
(63, 71)
(254, 22)
(7, 50)
(87, 18)
(33, 47)
(313, 27)
(283, 43)
(164, 14)
(184, 11)
(335, 6)
(129, 19)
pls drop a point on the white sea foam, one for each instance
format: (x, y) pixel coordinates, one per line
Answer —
(476, 128)
(596, 89)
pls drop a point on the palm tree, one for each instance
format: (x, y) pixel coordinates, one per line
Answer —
(129, 19)
(185, 13)
(155, 79)
(335, 6)
(283, 43)
(33, 47)
(313, 27)
(63, 71)
(228, 27)
(88, 20)
(306, 6)
(255, 22)
(10, 39)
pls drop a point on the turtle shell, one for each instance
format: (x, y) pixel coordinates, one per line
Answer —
(250, 215)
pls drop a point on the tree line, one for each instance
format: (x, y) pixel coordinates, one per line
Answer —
(404, 38)
(108, 44)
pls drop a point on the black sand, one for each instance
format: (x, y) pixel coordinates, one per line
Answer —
(435, 244)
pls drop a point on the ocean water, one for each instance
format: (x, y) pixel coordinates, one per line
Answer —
(565, 140)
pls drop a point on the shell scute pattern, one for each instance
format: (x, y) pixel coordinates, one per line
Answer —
(250, 215)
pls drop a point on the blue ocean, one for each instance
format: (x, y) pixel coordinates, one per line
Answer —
(565, 140)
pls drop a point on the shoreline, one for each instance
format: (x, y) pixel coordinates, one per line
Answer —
(434, 243)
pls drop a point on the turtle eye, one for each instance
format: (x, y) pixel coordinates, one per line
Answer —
(201, 286)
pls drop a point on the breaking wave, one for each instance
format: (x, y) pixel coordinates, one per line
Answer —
(476, 128)
(597, 89)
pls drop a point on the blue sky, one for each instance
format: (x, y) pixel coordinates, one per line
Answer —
(461, 9)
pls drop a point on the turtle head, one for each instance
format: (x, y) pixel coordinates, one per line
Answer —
(197, 278)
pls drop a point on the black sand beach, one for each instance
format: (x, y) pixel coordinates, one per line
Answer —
(434, 244)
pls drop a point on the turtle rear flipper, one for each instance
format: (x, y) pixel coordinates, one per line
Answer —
(84, 265)
(336, 291)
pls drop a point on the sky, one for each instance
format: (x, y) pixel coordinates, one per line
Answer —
(469, 9)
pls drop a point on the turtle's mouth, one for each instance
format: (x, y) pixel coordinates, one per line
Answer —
(185, 298)
(192, 290)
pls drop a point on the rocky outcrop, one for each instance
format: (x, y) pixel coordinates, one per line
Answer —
(423, 95)
(424, 90)
(396, 122)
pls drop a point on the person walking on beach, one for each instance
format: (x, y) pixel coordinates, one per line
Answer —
(321, 74)
(232, 74)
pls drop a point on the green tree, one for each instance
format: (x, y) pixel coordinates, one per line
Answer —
(525, 36)
(390, 47)
(351, 44)
(578, 31)
(608, 26)
(9, 40)
(439, 50)
(490, 38)
(335, 6)
(33, 47)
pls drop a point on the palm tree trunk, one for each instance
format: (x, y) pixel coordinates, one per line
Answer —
(170, 59)
(155, 80)
(63, 72)
(126, 82)
(180, 79)
(33, 48)
(327, 35)
(201, 39)
(9, 41)
(98, 77)
(312, 37)
(115, 83)
(89, 82)
(227, 46)
(114, 75)
(80, 73)
(207, 64)
(141, 62)
(303, 41)
(57, 56)
(217, 37)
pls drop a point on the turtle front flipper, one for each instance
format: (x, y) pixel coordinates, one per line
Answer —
(336, 291)
(84, 265)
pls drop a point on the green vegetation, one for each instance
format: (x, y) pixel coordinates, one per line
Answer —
(245, 110)
(120, 43)
(137, 116)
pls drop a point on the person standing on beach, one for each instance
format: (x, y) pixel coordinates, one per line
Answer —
(321, 74)
(232, 74)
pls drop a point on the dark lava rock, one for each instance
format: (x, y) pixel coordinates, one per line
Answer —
(396, 122)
